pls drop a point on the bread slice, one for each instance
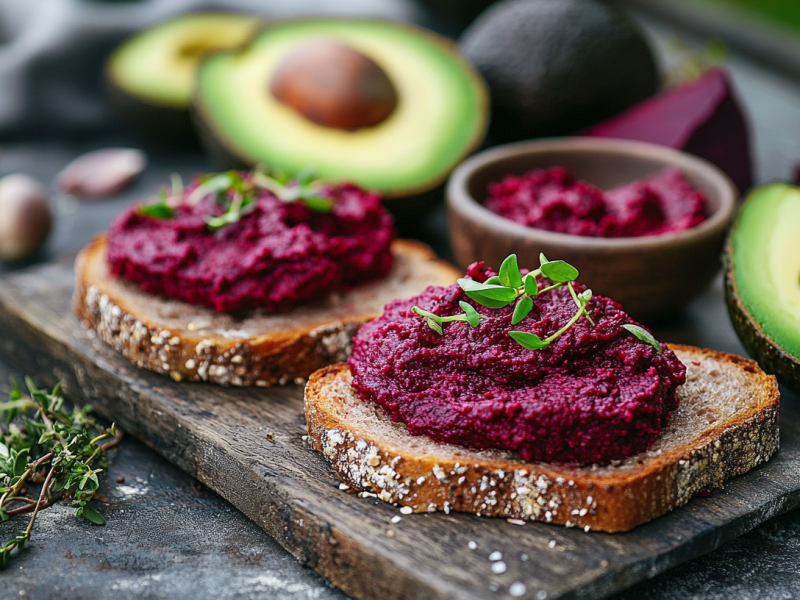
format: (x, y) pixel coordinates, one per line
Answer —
(194, 343)
(726, 424)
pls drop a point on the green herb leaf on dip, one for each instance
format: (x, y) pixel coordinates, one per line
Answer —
(531, 341)
(643, 335)
(509, 272)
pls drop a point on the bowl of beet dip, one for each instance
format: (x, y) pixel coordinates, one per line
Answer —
(644, 224)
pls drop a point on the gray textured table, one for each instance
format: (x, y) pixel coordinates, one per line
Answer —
(169, 537)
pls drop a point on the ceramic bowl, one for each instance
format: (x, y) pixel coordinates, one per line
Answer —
(650, 276)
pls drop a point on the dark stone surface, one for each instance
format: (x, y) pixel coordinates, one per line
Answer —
(166, 537)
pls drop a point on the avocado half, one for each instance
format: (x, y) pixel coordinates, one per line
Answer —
(440, 115)
(762, 279)
(150, 77)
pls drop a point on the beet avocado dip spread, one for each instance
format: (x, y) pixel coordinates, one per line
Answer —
(236, 241)
(552, 199)
(573, 380)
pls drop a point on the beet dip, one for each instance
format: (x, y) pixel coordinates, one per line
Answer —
(278, 253)
(552, 199)
(595, 394)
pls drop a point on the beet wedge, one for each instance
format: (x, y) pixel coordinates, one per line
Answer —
(701, 117)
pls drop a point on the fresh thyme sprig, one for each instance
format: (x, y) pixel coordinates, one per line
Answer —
(510, 286)
(238, 194)
(44, 442)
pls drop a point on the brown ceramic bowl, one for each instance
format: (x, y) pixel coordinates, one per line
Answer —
(650, 276)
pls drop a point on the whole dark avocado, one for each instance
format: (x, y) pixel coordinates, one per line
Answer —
(762, 279)
(557, 66)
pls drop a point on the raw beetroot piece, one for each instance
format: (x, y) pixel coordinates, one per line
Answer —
(701, 117)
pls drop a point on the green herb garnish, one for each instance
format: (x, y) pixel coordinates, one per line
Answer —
(644, 335)
(158, 210)
(510, 286)
(238, 193)
(435, 322)
(44, 442)
(305, 188)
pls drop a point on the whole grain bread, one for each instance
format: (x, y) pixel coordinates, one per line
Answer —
(194, 343)
(726, 424)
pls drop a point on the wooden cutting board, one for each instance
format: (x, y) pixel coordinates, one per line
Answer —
(247, 444)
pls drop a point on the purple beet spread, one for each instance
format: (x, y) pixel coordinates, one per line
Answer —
(278, 255)
(552, 199)
(597, 393)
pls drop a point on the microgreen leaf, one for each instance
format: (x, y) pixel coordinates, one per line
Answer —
(492, 292)
(527, 340)
(317, 203)
(473, 316)
(530, 284)
(434, 325)
(509, 272)
(487, 302)
(159, 210)
(559, 271)
(522, 309)
(493, 280)
(542, 259)
(643, 335)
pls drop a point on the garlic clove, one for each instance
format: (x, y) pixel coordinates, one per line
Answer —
(25, 217)
(101, 173)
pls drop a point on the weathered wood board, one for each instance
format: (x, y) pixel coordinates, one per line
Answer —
(220, 436)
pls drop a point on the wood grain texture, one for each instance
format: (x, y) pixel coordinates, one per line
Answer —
(220, 436)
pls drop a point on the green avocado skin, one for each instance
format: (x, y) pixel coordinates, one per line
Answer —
(769, 355)
(555, 67)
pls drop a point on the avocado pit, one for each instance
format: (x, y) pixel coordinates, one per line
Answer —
(334, 85)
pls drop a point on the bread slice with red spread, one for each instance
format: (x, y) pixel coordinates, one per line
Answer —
(725, 425)
(194, 343)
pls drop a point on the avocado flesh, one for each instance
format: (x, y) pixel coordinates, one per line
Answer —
(439, 118)
(158, 66)
(762, 279)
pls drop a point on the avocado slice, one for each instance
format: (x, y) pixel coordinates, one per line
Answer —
(762, 279)
(440, 114)
(150, 77)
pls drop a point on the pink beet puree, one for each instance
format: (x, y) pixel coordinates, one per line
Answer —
(595, 394)
(279, 255)
(554, 200)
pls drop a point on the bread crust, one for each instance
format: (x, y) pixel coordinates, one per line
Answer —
(117, 312)
(500, 484)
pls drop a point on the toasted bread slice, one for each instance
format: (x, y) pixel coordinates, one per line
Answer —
(726, 424)
(194, 343)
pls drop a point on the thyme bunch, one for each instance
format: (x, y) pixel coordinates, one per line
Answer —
(45, 443)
